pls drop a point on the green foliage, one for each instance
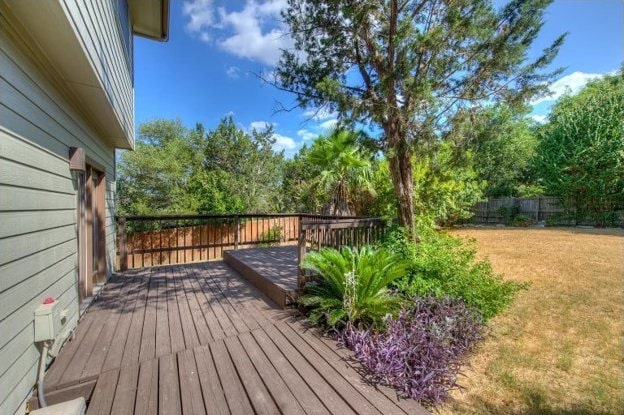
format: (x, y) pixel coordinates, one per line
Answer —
(352, 285)
(581, 152)
(521, 220)
(509, 213)
(241, 170)
(530, 190)
(176, 170)
(272, 237)
(384, 204)
(445, 186)
(300, 193)
(442, 265)
(503, 141)
(155, 177)
(344, 171)
(407, 70)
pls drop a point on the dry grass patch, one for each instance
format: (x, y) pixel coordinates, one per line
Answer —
(558, 349)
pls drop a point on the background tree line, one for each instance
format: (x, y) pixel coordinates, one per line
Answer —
(499, 151)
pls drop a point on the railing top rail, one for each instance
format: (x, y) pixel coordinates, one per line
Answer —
(341, 223)
(235, 215)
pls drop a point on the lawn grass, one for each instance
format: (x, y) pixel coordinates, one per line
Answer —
(558, 349)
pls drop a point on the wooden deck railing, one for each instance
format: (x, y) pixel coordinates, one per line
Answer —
(144, 241)
(336, 233)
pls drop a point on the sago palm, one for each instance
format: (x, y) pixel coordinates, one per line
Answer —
(352, 285)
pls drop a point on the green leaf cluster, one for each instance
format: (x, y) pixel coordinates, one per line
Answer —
(503, 143)
(445, 266)
(581, 151)
(352, 285)
(178, 170)
(334, 175)
(446, 185)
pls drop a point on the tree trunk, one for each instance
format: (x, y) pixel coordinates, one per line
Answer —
(400, 160)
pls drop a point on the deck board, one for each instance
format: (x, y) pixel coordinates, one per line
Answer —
(199, 338)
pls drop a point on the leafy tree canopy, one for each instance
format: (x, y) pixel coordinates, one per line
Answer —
(407, 66)
(178, 170)
(503, 141)
(581, 150)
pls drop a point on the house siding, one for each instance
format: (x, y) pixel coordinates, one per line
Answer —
(103, 36)
(38, 200)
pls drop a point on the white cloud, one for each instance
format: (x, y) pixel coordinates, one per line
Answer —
(307, 135)
(233, 72)
(539, 118)
(319, 114)
(329, 124)
(255, 32)
(201, 17)
(283, 142)
(571, 83)
(260, 125)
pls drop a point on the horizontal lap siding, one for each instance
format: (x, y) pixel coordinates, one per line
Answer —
(100, 35)
(38, 210)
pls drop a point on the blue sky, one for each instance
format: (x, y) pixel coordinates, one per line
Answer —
(207, 68)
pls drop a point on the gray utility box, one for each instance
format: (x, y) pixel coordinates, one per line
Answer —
(47, 321)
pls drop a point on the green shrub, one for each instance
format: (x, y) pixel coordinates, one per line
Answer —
(443, 265)
(522, 220)
(351, 285)
(509, 213)
(272, 237)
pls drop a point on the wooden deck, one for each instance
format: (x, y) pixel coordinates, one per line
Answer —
(198, 338)
(272, 270)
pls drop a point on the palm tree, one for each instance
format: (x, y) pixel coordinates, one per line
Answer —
(345, 170)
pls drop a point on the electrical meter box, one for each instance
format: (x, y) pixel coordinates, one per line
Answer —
(47, 321)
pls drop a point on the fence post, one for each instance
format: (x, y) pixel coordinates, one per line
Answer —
(539, 207)
(123, 249)
(300, 254)
(236, 232)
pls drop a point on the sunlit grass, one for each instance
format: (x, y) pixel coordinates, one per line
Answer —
(559, 348)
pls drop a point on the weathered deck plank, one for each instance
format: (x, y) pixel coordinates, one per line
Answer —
(198, 338)
(126, 391)
(209, 379)
(235, 395)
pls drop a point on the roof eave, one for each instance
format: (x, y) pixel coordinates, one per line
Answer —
(150, 19)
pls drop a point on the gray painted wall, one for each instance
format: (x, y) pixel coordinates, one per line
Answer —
(38, 244)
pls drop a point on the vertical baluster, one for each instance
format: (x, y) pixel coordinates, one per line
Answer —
(122, 242)
(235, 232)
(220, 238)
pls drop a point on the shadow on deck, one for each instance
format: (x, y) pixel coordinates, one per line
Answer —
(198, 338)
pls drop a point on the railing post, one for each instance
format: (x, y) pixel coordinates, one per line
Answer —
(300, 255)
(236, 232)
(123, 249)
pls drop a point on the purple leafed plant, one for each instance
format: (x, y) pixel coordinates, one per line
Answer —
(423, 348)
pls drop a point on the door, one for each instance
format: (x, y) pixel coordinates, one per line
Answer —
(93, 249)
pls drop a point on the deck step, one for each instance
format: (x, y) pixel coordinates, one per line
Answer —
(272, 270)
(78, 390)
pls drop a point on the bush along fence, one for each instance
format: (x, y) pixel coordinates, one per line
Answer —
(551, 210)
(518, 211)
(145, 241)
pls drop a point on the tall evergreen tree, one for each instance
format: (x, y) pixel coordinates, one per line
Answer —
(406, 66)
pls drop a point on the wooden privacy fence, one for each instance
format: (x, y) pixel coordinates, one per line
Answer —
(144, 241)
(497, 210)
